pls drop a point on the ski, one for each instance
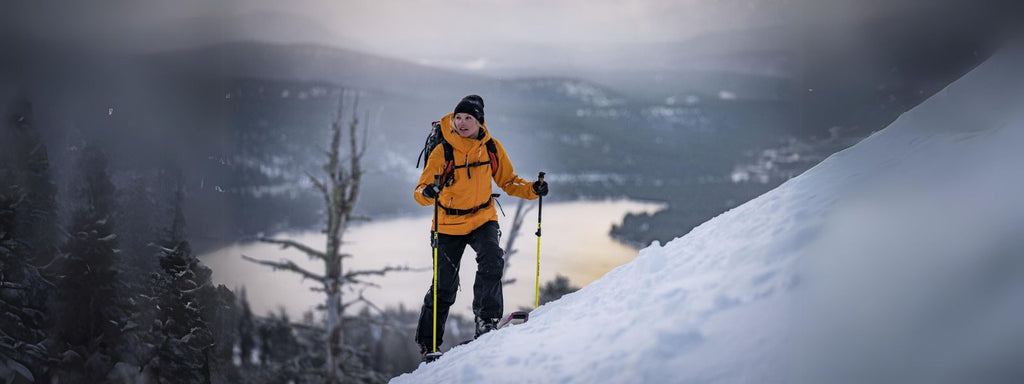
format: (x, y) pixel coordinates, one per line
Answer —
(514, 318)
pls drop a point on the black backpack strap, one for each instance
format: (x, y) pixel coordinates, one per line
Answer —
(492, 152)
(423, 153)
(449, 152)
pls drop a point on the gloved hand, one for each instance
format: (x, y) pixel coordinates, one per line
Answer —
(431, 191)
(540, 187)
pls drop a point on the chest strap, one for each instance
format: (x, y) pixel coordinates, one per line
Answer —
(449, 161)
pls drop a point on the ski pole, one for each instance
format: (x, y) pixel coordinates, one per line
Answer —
(433, 244)
(540, 208)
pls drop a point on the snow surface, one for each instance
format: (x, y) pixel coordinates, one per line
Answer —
(898, 260)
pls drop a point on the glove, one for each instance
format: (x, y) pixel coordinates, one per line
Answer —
(431, 191)
(540, 187)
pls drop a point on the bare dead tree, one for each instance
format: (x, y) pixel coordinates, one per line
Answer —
(340, 190)
(517, 222)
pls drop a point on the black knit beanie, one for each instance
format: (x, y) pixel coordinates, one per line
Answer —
(473, 105)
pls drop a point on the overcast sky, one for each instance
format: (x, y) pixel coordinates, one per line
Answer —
(433, 23)
(419, 24)
(471, 34)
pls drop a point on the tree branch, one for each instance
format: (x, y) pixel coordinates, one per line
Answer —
(285, 244)
(517, 222)
(331, 168)
(320, 187)
(355, 170)
(288, 266)
(360, 298)
(351, 276)
(363, 282)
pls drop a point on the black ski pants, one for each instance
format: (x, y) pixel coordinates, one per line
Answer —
(487, 297)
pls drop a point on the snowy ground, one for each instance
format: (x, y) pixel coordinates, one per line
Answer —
(899, 260)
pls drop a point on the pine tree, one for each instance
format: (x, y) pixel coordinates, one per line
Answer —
(246, 331)
(89, 295)
(279, 349)
(220, 310)
(139, 223)
(182, 338)
(24, 292)
(177, 229)
(38, 213)
(23, 295)
(187, 328)
(397, 354)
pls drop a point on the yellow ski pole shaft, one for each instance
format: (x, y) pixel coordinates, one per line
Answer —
(540, 208)
(433, 243)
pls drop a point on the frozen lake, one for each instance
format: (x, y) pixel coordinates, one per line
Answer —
(575, 243)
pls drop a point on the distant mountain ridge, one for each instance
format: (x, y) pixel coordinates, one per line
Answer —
(313, 62)
(569, 90)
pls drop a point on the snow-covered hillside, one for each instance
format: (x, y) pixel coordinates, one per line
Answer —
(899, 260)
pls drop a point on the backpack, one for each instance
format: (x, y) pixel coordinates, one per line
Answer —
(436, 138)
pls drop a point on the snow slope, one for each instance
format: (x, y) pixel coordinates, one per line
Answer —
(900, 260)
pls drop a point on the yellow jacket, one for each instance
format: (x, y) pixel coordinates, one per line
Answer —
(470, 186)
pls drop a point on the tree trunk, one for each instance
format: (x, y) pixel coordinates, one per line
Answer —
(333, 281)
(334, 332)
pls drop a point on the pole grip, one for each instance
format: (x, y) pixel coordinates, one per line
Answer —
(540, 208)
(540, 211)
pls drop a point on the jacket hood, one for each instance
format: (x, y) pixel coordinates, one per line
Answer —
(460, 143)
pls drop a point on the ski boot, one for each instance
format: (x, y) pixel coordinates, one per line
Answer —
(485, 325)
(427, 355)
